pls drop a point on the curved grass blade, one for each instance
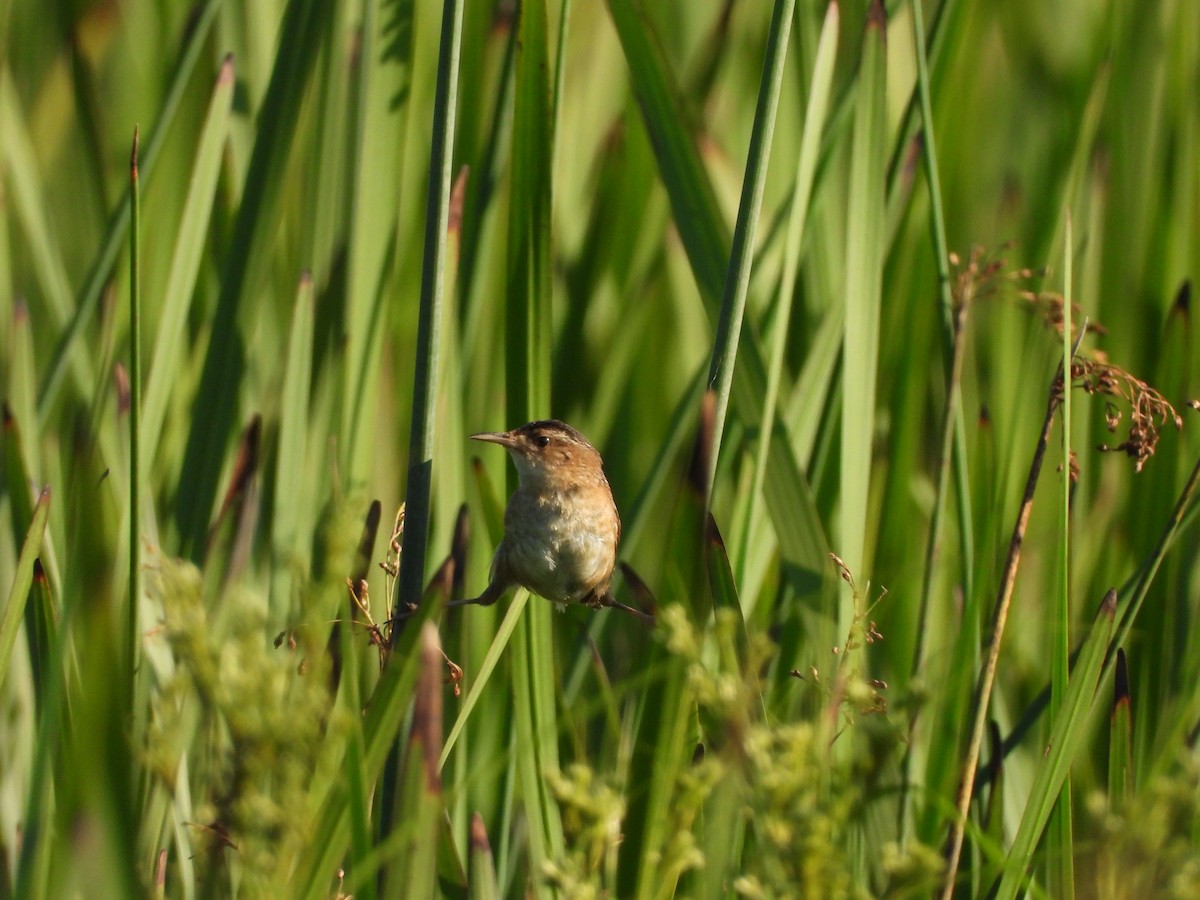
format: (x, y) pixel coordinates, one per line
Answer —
(810, 148)
(185, 262)
(704, 237)
(214, 418)
(701, 228)
(737, 276)
(1066, 733)
(499, 643)
(99, 274)
(18, 593)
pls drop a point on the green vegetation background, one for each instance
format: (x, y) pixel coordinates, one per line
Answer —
(362, 231)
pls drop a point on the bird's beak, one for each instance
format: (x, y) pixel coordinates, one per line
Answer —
(503, 438)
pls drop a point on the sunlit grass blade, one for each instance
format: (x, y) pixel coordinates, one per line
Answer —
(293, 496)
(810, 146)
(384, 77)
(1067, 731)
(528, 337)
(1060, 851)
(101, 269)
(19, 590)
(216, 406)
(737, 277)
(17, 154)
(479, 679)
(864, 287)
(701, 227)
(163, 374)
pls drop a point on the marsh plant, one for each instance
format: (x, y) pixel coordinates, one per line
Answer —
(863, 279)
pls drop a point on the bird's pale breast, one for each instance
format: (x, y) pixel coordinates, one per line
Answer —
(558, 547)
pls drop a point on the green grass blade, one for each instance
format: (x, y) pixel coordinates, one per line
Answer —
(528, 339)
(1120, 738)
(101, 270)
(18, 592)
(702, 231)
(737, 278)
(1059, 843)
(701, 227)
(482, 884)
(386, 709)
(806, 164)
(941, 250)
(481, 677)
(1066, 733)
(132, 637)
(380, 151)
(19, 159)
(864, 284)
(163, 374)
(433, 274)
(215, 421)
(420, 802)
(293, 496)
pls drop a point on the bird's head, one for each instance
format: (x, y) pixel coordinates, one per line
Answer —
(547, 451)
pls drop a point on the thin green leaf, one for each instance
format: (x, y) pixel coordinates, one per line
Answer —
(433, 274)
(132, 635)
(1120, 739)
(163, 376)
(737, 277)
(865, 222)
(419, 804)
(293, 501)
(1066, 733)
(101, 270)
(225, 363)
(701, 227)
(18, 592)
(810, 146)
(482, 884)
(480, 678)
(378, 154)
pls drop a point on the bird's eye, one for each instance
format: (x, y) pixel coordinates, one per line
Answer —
(541, 440)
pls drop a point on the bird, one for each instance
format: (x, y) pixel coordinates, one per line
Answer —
(561, 526)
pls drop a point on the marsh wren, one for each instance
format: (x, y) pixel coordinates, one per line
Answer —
(561, 527)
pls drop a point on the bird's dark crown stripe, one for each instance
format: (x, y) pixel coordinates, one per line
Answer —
(553, 425)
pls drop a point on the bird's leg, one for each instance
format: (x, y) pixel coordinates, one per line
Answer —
(607, 600)
(500, 582)
(491, 594)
